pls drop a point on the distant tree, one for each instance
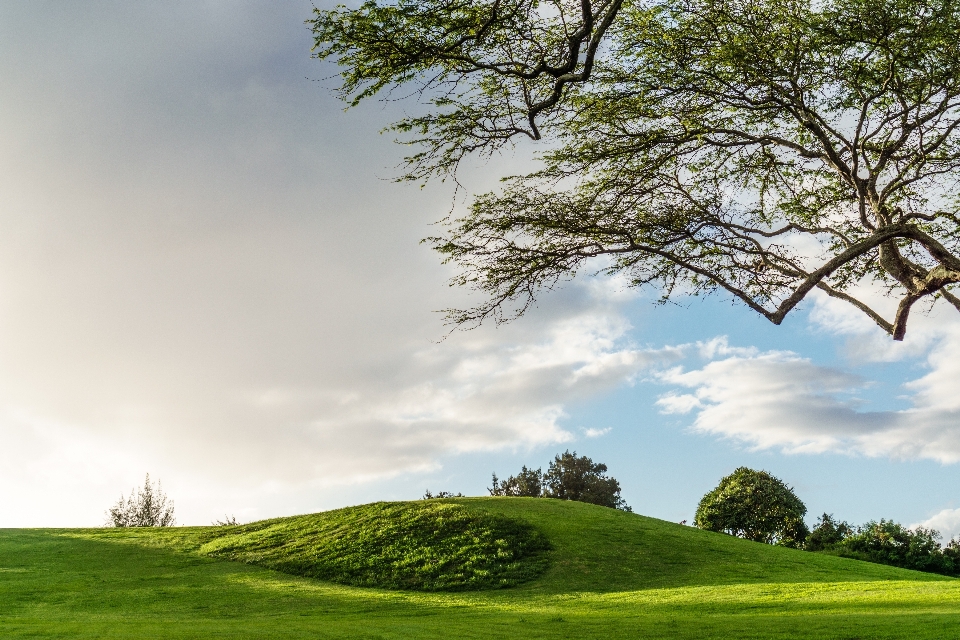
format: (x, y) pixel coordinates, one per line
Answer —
(148, 507)
(828, 533)
(228, 521)
(754, 505)
(569, 477)
(888, 542)
(528, 483)
(572, 477)
(951, 556)
(441, 494)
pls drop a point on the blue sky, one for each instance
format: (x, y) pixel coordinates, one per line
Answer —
(665, 466)
(206, 274)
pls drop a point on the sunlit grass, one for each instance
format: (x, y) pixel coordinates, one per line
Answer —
(613, 575)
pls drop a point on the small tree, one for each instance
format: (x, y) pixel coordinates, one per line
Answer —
(427, 495)
(828, 533)
(572, 477)
(754, 505)
(569, 477)
(148, 507)
(528, 483)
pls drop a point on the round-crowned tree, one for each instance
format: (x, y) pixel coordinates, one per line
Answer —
(754, 505)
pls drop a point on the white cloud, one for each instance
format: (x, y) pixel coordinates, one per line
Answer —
(783, 401)
(947, 522)
(865, 341)
(482, 391)
(720, 346)
(485, 395)
(596, 433)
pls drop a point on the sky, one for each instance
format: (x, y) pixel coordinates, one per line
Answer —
(208, 275)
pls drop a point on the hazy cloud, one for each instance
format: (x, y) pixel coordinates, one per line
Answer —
(204, 275)
(596, 433)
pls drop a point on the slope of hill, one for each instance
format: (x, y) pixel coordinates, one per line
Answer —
(434, 545)
(610, 574)
(604, 550)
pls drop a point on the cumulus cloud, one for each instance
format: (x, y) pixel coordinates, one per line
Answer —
(486, 394)
(779, 400)
(947, 522)
(481, 396)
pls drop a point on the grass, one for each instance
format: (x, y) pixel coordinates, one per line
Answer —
(611, 575)
(421, 546)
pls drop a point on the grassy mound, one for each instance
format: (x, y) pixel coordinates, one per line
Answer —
(610, 575)
(598, 549)
(425, 546)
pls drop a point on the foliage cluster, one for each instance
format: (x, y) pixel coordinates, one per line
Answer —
(828, 533)
(569, 477)
(427, 495)
(147, 507)
(761, 149)
(426, 546)
(526, 484)
(887, 542)
(754, 505)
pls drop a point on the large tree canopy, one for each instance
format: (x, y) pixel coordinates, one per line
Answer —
(754, 505)
(764, 148)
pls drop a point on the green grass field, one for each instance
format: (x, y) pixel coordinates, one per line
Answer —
(611, 575)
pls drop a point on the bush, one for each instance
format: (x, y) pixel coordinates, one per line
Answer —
(888, 542)
(148, 507)
(827, 534)
(756, 506)
(441, 494)
(569, 477)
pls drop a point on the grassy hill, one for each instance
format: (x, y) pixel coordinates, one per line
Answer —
(604, 574)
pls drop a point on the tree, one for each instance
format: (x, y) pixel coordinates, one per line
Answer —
(828, 533)
(528, 483)
(572, 477)
(427, 495)
(569, 477)
(888, 542)
(148, 507)
(762, 149)
(754, 505)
